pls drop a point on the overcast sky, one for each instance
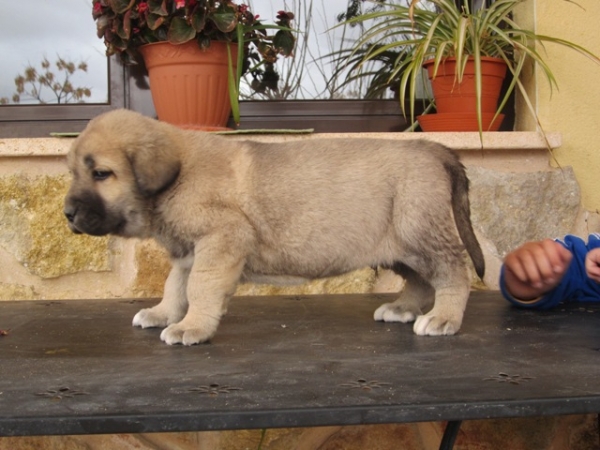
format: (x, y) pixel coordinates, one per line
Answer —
(33, 29)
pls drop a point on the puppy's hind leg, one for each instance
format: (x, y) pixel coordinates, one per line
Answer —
(452, 289)
(416, 295)
(174, 304)
(441, 262)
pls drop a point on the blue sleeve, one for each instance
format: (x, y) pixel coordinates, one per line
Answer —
(575, 285)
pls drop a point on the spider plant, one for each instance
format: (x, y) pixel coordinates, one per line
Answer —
(423, 30)
(376, 75)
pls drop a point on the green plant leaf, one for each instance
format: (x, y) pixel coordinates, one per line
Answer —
(203, 41)
(241, 53)
(225, 21)
(102, 23)
(120, 6)
(117, 43)
(233, 78)
(284, 42)
(198, 19)
(158, 7)
(125, 30)
(180, 31)
(155, 21)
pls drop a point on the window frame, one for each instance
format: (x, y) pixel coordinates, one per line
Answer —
(26, 121)
(128, 89)
(325, 116)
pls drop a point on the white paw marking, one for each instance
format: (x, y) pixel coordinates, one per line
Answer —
(431, 325)
(190, 331)
(175, 334)
(390, 312)
(149, 318)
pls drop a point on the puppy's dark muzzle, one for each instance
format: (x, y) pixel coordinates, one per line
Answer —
(70, 213)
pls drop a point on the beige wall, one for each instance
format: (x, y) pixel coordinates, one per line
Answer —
(574, 110)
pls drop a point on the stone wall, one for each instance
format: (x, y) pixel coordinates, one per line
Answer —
(515, 196)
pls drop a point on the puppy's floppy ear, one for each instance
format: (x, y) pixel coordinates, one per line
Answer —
(155, 168)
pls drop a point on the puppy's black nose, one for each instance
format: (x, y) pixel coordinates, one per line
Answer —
(70, 213)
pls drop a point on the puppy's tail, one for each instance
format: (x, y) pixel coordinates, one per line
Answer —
(462, 212)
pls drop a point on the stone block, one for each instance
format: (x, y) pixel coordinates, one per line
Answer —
(34, 230)
(152, 267)
(511, 208)
(356, 282)
(12, 291)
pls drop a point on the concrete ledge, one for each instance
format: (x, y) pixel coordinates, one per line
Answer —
(519, 140)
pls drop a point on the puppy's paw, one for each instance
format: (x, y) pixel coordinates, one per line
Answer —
(396, 312)
(153, 318)
(187, 333)
(432, 325)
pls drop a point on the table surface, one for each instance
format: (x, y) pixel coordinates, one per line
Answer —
(79, 367)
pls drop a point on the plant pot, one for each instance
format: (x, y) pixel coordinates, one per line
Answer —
(189, 85)
(451, 96)
(459, 122)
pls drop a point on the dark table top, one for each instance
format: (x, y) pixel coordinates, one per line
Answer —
(79, 367)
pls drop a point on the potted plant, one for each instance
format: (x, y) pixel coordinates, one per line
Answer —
(177, 33)
(448, 38)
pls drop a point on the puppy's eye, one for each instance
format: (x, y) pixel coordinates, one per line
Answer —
(100, 175)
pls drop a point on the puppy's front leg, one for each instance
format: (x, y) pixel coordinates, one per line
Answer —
(217, 268)
(173, 306)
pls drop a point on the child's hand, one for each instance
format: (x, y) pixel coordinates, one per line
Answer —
(536, 268)
(592, 264)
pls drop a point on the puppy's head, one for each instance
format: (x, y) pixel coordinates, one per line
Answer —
(118, 164)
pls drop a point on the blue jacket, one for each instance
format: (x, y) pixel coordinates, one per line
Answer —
(575, 285)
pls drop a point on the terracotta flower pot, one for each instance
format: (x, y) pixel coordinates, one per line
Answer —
(453, 98)
(459, 122)
(189, 85)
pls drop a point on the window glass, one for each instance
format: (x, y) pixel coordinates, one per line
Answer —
(35, 31)
(309, 75)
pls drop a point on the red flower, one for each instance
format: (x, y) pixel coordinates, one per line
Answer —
(143, 7)
(97, 8)
(179, 4)
(281, 15)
